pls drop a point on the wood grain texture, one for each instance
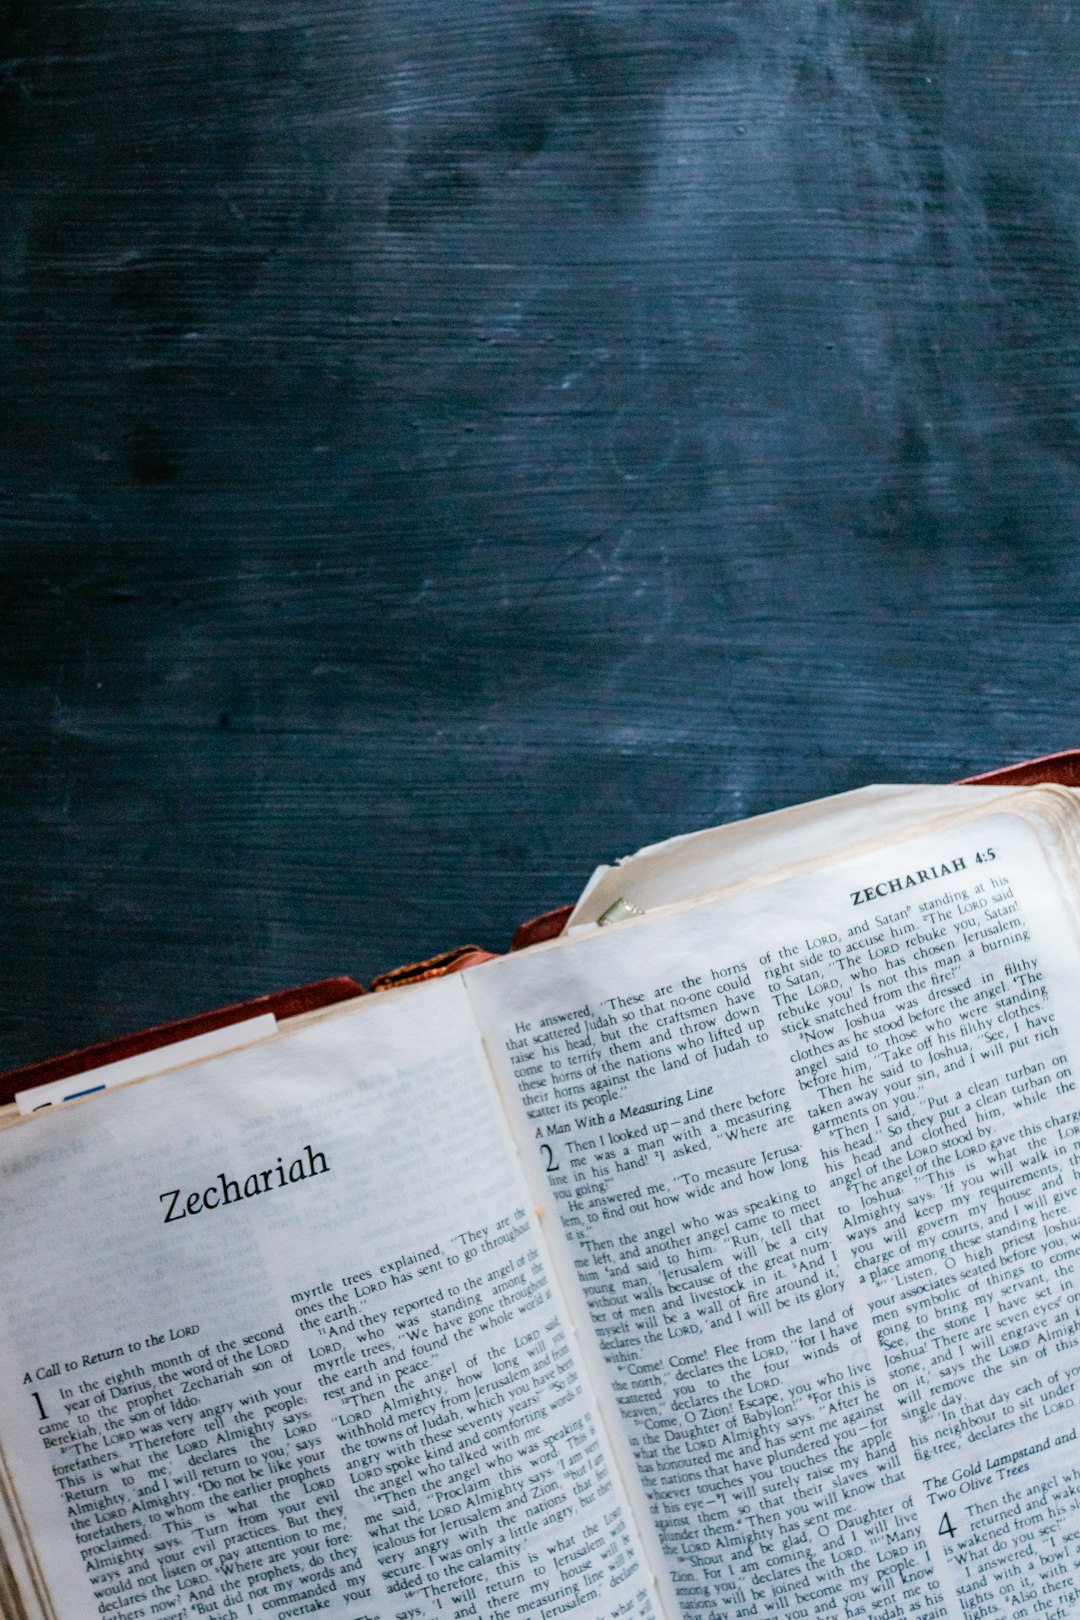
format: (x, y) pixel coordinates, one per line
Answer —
(445, 446)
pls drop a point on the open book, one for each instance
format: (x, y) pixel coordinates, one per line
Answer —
(719, 1258)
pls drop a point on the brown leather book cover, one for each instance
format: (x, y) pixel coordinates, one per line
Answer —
(283, 1004)
(1063, 768)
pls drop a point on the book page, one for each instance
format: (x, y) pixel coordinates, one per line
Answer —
(693, 864)
(280, 1337)
(814, 1152)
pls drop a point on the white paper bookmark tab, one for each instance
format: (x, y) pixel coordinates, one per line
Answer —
(142, 1064)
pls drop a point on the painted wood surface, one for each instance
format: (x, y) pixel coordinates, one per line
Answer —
(443, 446)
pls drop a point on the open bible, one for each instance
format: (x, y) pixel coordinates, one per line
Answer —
(720, 1257)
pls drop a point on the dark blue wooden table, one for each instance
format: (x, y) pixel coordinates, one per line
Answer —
(442, 446)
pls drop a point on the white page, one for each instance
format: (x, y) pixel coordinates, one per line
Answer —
(279, 1337)
(717, 1133)
(696, 863)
